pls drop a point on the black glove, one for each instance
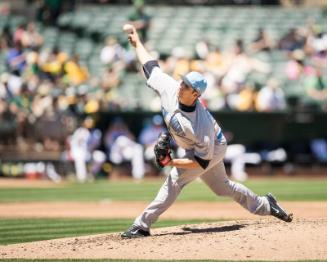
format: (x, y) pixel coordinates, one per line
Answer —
(162, 150)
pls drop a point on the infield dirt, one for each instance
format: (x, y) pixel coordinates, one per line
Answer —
(263, 239)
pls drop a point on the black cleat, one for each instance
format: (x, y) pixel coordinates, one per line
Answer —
(134, 232)
(277, 211)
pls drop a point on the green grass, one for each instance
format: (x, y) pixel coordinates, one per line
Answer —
(27, 230)
(284, 189)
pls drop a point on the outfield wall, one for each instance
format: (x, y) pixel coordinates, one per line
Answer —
(247, 127)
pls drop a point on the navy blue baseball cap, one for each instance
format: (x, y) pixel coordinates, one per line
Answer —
(196, 81)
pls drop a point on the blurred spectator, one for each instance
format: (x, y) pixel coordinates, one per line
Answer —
(244, 100)
(292, 40)
(140, 19)
(317, 41)
(215, 63)
(178, 63)
(112, 53)
(16, 58)
(19, 34)
(262, 42)
(319, 149)
(75, 73)
(8, 124)
(53, 62)
(110, 79)
(6, 38)
(121, 146)
(316, 88)
(317, 48)
(149, 136)
(270, 98)
(296, 66)
(48, 11)
(202, 49)
(31, 38)
(239, 66)
(32, 65)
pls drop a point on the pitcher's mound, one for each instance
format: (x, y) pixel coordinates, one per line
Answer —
(265, 239)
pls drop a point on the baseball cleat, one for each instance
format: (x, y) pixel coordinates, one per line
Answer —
(277, 211)
(134, 232)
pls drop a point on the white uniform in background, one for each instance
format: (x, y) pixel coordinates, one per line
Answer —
(80, 152)
(126, 149)
(238, 157)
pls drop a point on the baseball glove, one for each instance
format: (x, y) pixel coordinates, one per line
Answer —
(162, 150)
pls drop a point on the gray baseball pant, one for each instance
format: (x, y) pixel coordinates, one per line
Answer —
(215, 177)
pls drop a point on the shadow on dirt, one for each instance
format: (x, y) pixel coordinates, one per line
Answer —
(190, 230)
(214, 229)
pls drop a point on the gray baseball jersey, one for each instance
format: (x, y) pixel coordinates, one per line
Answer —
(194, 131)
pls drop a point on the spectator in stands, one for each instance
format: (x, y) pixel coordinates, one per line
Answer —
(48, 11)
(8, 124)
(215, 63)
(16, 58)
(179, 62)
(110, 79)
(50, 126)
(12, 85)
(112, 54)
(270, 98)
(6, 38)
(52, 64)
(140, 19)
(31, 38)
(19, 34)
(32, 65)
(238, 68)
(292, 40)
(262, 42)
(296, 66)
(307, 80)
(316, 46)
(244, 100)
(75, 73)
(213, 67)
(121, 146)
(316, 88)
(42, 99)
(202, 49)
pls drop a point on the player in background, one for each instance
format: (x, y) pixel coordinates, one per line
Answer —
(194, 129)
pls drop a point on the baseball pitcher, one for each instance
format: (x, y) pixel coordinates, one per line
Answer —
(194, 129)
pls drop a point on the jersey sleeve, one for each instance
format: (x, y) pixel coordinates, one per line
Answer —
(160, 81)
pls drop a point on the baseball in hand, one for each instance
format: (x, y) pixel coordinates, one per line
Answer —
(128, 28)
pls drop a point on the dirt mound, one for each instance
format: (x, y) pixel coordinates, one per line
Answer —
(264, 239)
